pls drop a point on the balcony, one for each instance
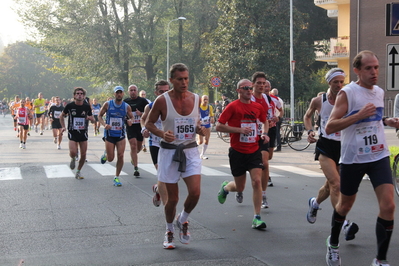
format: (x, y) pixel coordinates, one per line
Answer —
(333, 49)
(332, 13)
(330, 4)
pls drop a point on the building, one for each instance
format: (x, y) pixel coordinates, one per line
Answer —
(363, 25)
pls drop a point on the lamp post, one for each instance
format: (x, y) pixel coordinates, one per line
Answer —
(167, 45)
(292, 67)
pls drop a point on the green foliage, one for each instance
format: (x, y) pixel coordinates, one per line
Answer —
(394, 150)
(24, 70)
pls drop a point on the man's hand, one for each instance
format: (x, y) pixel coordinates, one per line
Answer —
(245, 130)
(311, 137)
(168, 136)
(265, 138)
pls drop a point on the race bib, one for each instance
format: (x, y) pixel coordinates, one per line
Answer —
(96, 111)
(78, 123)
(205, 120)
(136, 118)
(184, 128)
(22, 120)
(252, 136)
(367, 140)
(260, 126)
(57, 114)
(116, 123)
(41, 108)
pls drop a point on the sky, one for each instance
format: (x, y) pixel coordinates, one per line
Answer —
(10, 29)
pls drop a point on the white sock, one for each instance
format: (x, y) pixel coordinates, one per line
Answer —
(264, 193)
(170, 227)
(204, 148)
(183, 217)
(315, 204)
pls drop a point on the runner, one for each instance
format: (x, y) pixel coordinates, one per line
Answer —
(207, 118)
(178, 155)
(78, 112)
(137, 104)
(159, 189)
(240, 119)
(40, 109)
(23, 116)
(114, 130)
(96, 110)
(54, 115)
(14, 105)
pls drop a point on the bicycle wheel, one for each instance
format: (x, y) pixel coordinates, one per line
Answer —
(395, 173)
(297, 140)
(284, 129)
(224, 136)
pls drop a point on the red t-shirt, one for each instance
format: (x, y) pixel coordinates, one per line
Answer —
(238, 114)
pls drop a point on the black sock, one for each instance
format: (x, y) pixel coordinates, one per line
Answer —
(383, 230)
(336, 225)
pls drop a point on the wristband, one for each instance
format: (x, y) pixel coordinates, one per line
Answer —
(142, 130)
(265, 134)
(310, 130)
(383, 120)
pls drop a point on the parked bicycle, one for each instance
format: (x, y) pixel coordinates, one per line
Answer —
(294, 136)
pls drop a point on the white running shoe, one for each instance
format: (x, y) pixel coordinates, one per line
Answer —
(184, 235)
(20, 145)
(332, 256)
(312, 212)
(265, 204)
(376, 262)
(239, 197)
(169, 242)
(58, 147)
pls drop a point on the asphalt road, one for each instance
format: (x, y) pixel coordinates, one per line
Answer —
(47, 217)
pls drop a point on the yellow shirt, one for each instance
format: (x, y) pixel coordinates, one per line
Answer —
(40, 106)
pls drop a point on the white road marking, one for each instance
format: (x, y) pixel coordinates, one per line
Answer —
(105, 169)
(58, 171)
(298, 170)
(270, 173)
(10, 173)
(212, 172)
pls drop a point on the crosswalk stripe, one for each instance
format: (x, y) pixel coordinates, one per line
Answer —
(148, 168)
(298, 170)
(10, 173)
(270, 173)
(58, 171)
(212, 172)
(105, 169)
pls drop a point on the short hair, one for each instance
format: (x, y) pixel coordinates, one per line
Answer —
(161, 82)
(79, 89)
(242, 81)
(357, 61)
(177, 67)
(257, 75)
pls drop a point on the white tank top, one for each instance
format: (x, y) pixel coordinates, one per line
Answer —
(183, 127)
(364, 141)
(325, 111)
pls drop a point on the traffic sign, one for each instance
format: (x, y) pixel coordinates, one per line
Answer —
(392, 71)
(216, 81)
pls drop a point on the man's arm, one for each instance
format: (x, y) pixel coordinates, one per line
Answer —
(337, 121)
(102, 112)
(157, 109)
(144, 130)
(315, 105)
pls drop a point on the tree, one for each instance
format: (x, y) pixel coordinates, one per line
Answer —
(24, 71)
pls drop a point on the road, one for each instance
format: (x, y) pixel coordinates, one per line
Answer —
(50, 218)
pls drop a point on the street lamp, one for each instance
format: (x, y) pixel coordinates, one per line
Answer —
(167, 46)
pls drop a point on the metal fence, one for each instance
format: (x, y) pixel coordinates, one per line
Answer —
(302, 106)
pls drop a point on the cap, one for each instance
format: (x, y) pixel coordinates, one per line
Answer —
(118, 88)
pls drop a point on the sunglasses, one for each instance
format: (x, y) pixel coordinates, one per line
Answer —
(79, 93)
(246, 88)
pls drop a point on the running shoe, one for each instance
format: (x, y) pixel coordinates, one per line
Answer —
(184, 234)
(239, 197)
(117, 183)
(169, 242)
(156, 200)
(24, 146)
(332, 256)
(41, 133)
(312, 212)
(72, 164)
(15, 129)
(58, 147)
(136, 172)
(28, 134)
(144, 148)
(222, 193)
(257, 223)
(36, 131)
(103, 158)
(55, 140)
(204, 157)
(20, 145)
(264, 205)
(78, 175)
(350, 229)
(270, 182)
(376, 262)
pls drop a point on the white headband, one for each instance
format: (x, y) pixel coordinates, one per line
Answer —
(335, 74)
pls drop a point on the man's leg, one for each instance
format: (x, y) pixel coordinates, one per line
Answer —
(331, 171)
(133, 151)
(83, 150)
(120, 150)
(256, 174)
(265, 177)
